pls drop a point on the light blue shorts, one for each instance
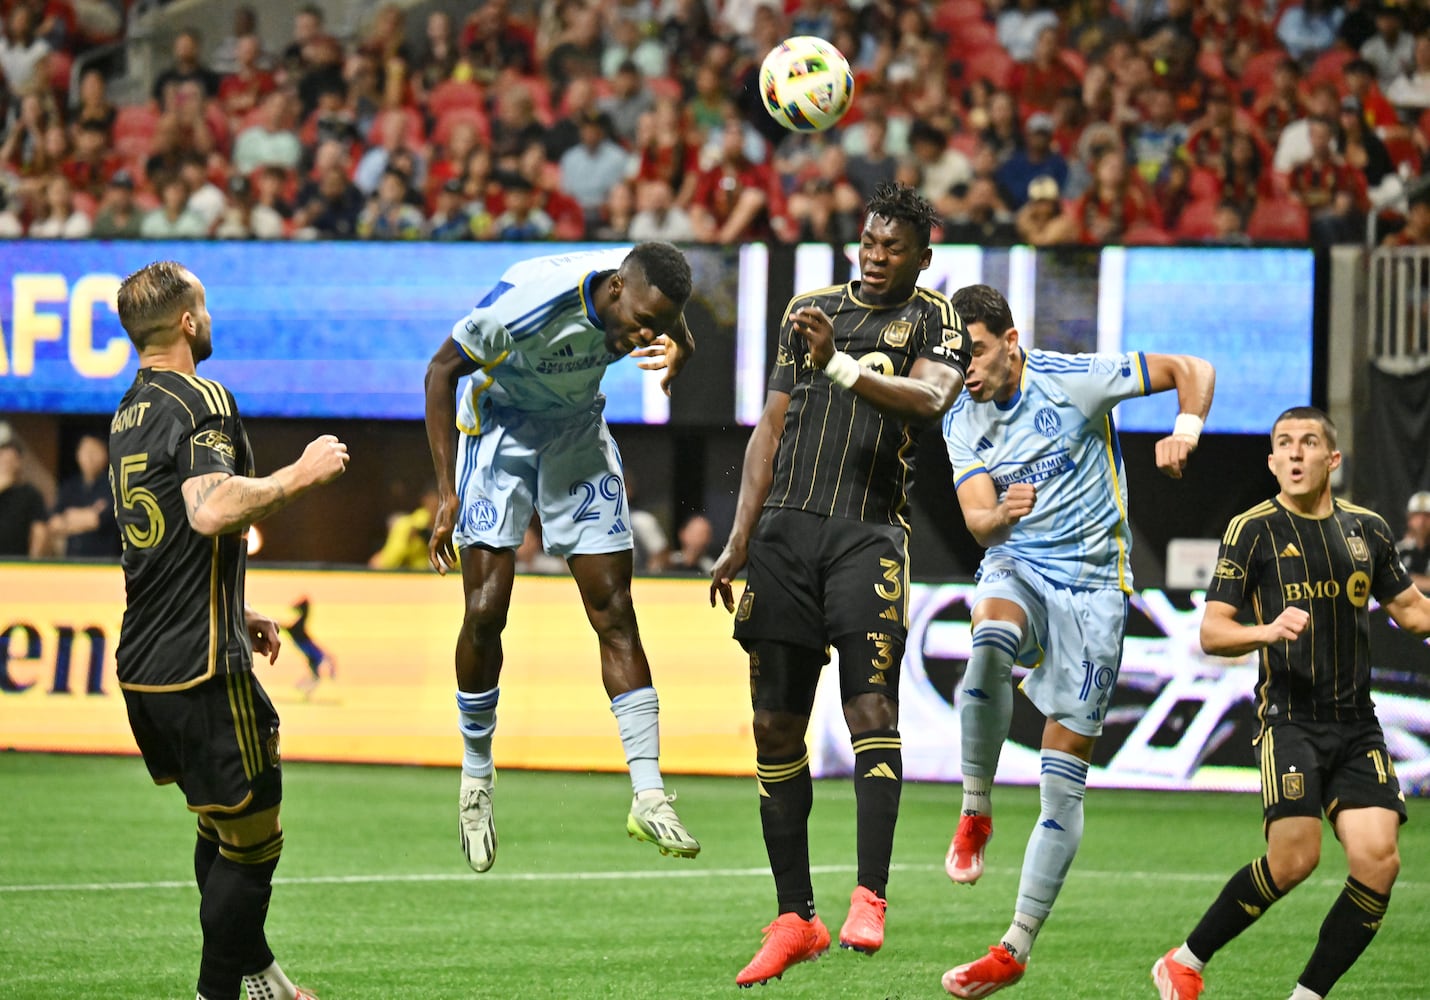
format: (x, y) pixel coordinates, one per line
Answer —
(1074, 640)
(568, 470)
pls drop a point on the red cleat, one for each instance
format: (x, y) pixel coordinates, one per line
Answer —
(863, 929)
(1174, 980)
(788, 941)
(964, 860)
(989, 974)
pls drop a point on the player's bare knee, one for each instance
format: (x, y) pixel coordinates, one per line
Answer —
(1375, 865)
(869, 711)
(483, 622)
(778, 734)
(1292, 864)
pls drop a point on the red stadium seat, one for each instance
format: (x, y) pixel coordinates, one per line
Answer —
(1145, 234)
(952, 14)
(665, 86)
(1073, 60)
(1279, 220)
(970, 37)
(1195, 222)
(1329, 66)
(1256, 75)
(443, 129)
(1202, 184)
(413, 132)
(134, 128)
(991, 64)
(451, 94)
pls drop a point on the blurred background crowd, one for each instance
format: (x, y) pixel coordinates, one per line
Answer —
(1025, 121)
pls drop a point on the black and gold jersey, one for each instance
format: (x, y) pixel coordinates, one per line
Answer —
(840, 456)
(1329, 566)
(183, 617)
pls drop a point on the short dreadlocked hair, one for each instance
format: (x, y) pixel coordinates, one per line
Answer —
(901, 203)
(665, 267)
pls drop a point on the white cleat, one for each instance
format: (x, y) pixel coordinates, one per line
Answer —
(653, 820)
(479, 832)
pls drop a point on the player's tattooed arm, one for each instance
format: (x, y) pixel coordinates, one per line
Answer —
(218, 503)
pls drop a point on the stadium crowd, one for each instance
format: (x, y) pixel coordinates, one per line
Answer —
(1024, 121)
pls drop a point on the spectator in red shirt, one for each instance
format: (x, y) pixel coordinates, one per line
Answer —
(493, 41)
(1361, 84)
(242, 90)
(1332, 190)
(1210, 135)
(92, 164)
(666, 150)
(736, 200)
(1233, 31)
(1038, 82)
(1244, 177)
(1417, 226)
(1114, 204)
(1282, 103)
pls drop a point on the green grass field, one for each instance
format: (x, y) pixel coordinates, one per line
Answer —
(375, 901)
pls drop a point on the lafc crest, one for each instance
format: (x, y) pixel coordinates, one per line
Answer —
(1293, 785)
(1360, 552)
(897, 333)
(747, 605)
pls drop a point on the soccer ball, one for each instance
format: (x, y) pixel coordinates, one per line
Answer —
(806, 84)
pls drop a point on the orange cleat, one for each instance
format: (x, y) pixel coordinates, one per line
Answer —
(989, 974)
(788, 941)
(964, 860)
(863, 929)
(1174, 980)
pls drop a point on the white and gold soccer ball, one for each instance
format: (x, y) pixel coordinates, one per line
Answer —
(806, 84)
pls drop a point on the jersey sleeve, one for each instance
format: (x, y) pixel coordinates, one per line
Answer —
(784, 370)
(482, 334)
(1390, 575)
(1234, 577)
(961, 454)
(1107, 380)
(212, 445)
(948, 341)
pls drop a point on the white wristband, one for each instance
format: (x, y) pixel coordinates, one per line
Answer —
(1187, 425)
(842, 370)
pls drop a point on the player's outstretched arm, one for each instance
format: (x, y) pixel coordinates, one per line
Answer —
(218, 503)
(1411, 611)
(445, 369)
(1195, 381)
(989, 519)
(755, 478)
(924, 394)
(1223, 635)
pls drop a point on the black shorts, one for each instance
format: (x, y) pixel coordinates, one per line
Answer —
(217, 741)
(813, 579)
(1312, 767)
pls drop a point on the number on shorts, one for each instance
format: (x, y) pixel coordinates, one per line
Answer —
(608, 488)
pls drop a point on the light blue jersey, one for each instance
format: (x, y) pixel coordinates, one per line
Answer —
(541, 347)
(1057, 433)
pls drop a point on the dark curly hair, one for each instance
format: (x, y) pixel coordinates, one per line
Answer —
(901, 203)
(665, 267)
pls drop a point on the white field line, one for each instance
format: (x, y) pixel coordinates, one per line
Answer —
(633, 876)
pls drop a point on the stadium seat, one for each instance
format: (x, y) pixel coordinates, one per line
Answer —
(952, 14)
(1145, 234)
(134, 128)
(413, 133)
(991, 64)
(665, 86)
(1203, 184)
(1329, 66)
(1256, 75)
(60, 65)
(1073, 60)
(472, 116)
(972, 37)
(1279, 220)
(1195, 222)
(451, 94)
